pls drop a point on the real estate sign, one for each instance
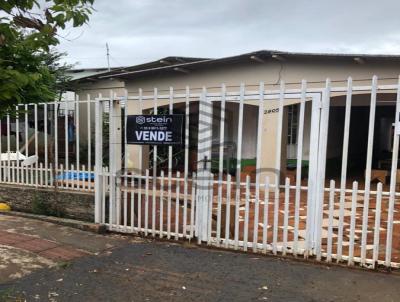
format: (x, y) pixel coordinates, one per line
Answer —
(154, 129)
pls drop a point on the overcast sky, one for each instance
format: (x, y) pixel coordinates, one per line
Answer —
(139, 31)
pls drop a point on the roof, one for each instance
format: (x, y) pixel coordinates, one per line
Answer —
(80, 73)
(167, 61)
(185, 64)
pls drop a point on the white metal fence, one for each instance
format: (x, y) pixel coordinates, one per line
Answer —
(308, 211)
(230, 184)
(46, 145)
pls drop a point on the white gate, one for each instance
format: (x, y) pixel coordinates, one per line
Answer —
(231, 184)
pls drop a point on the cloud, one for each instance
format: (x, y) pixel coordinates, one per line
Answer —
(143, 30)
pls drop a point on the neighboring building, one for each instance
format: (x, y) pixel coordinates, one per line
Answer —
(270, 67)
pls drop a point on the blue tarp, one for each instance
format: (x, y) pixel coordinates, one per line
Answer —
(76, 176)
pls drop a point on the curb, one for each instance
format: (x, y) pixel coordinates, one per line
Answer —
(81, 225)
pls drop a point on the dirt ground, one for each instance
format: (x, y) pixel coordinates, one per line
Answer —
(115, 268)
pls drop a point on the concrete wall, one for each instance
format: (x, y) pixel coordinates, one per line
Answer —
(74, 205)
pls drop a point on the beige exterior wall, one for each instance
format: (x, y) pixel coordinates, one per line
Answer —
(292, 71)
(251, 73)
(94, 90)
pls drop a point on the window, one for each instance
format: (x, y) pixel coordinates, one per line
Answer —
(292, 124)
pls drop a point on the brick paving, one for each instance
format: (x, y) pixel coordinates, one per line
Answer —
(28, 245)
(42, 247)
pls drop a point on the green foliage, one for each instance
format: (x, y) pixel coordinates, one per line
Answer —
(30, 71)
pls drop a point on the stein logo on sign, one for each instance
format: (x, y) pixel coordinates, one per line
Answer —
(154, 129)
(140, 119)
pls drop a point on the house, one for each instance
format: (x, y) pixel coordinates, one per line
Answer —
(270, 67)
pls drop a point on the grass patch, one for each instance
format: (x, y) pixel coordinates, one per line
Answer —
(11, 295)
(64, 264)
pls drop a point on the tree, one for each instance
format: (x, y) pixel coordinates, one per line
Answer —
(30, 70)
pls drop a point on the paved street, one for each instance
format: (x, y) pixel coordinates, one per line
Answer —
(116, 268)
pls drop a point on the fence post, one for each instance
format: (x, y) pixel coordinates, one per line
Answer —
(114, 152)
(203, 168)
(98, 209)
(321, 166)
(312, 175)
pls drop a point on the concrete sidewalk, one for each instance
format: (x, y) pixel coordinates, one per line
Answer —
(27, 245)
(142, 270)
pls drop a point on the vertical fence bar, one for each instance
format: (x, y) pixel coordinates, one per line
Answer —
(177, 205)
(66, 157)
(368, 167)
(8, 149)
(330, 219)
(353, 222)
(51, 176)
(111, 196)
(89, 140)
(73, 178)
(55, 137)
(258, 163)
(210, 207)
(124, 121)
(278, 167)
(169, 206)
(36, 164)
(17, 142)
(125, 205)
(246, 214)
(343, 179)
(162, 204)
(228, 209)
(140, 165)
(377, 226)
(221, 161)
(99, 206)
(186, 160)
(393, 181)
(82, 176)
(323, 141)
(46, 141)
(266, 212)
(238, 164)
(286, 216)
(77, 133)
(62, 178)
(140, 202)
(154, 172)
(299, 165)
(12, 180)
(193, 205)
(171, 96)
(132, 203)
(117, 207)
(104, 178)
(203, 156)
(146, 205)
(312, 174)
(26, 134)
(41, 174)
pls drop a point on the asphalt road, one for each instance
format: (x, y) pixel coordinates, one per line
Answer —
(159, 271)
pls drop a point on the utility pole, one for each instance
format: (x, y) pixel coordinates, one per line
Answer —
(108, 57)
